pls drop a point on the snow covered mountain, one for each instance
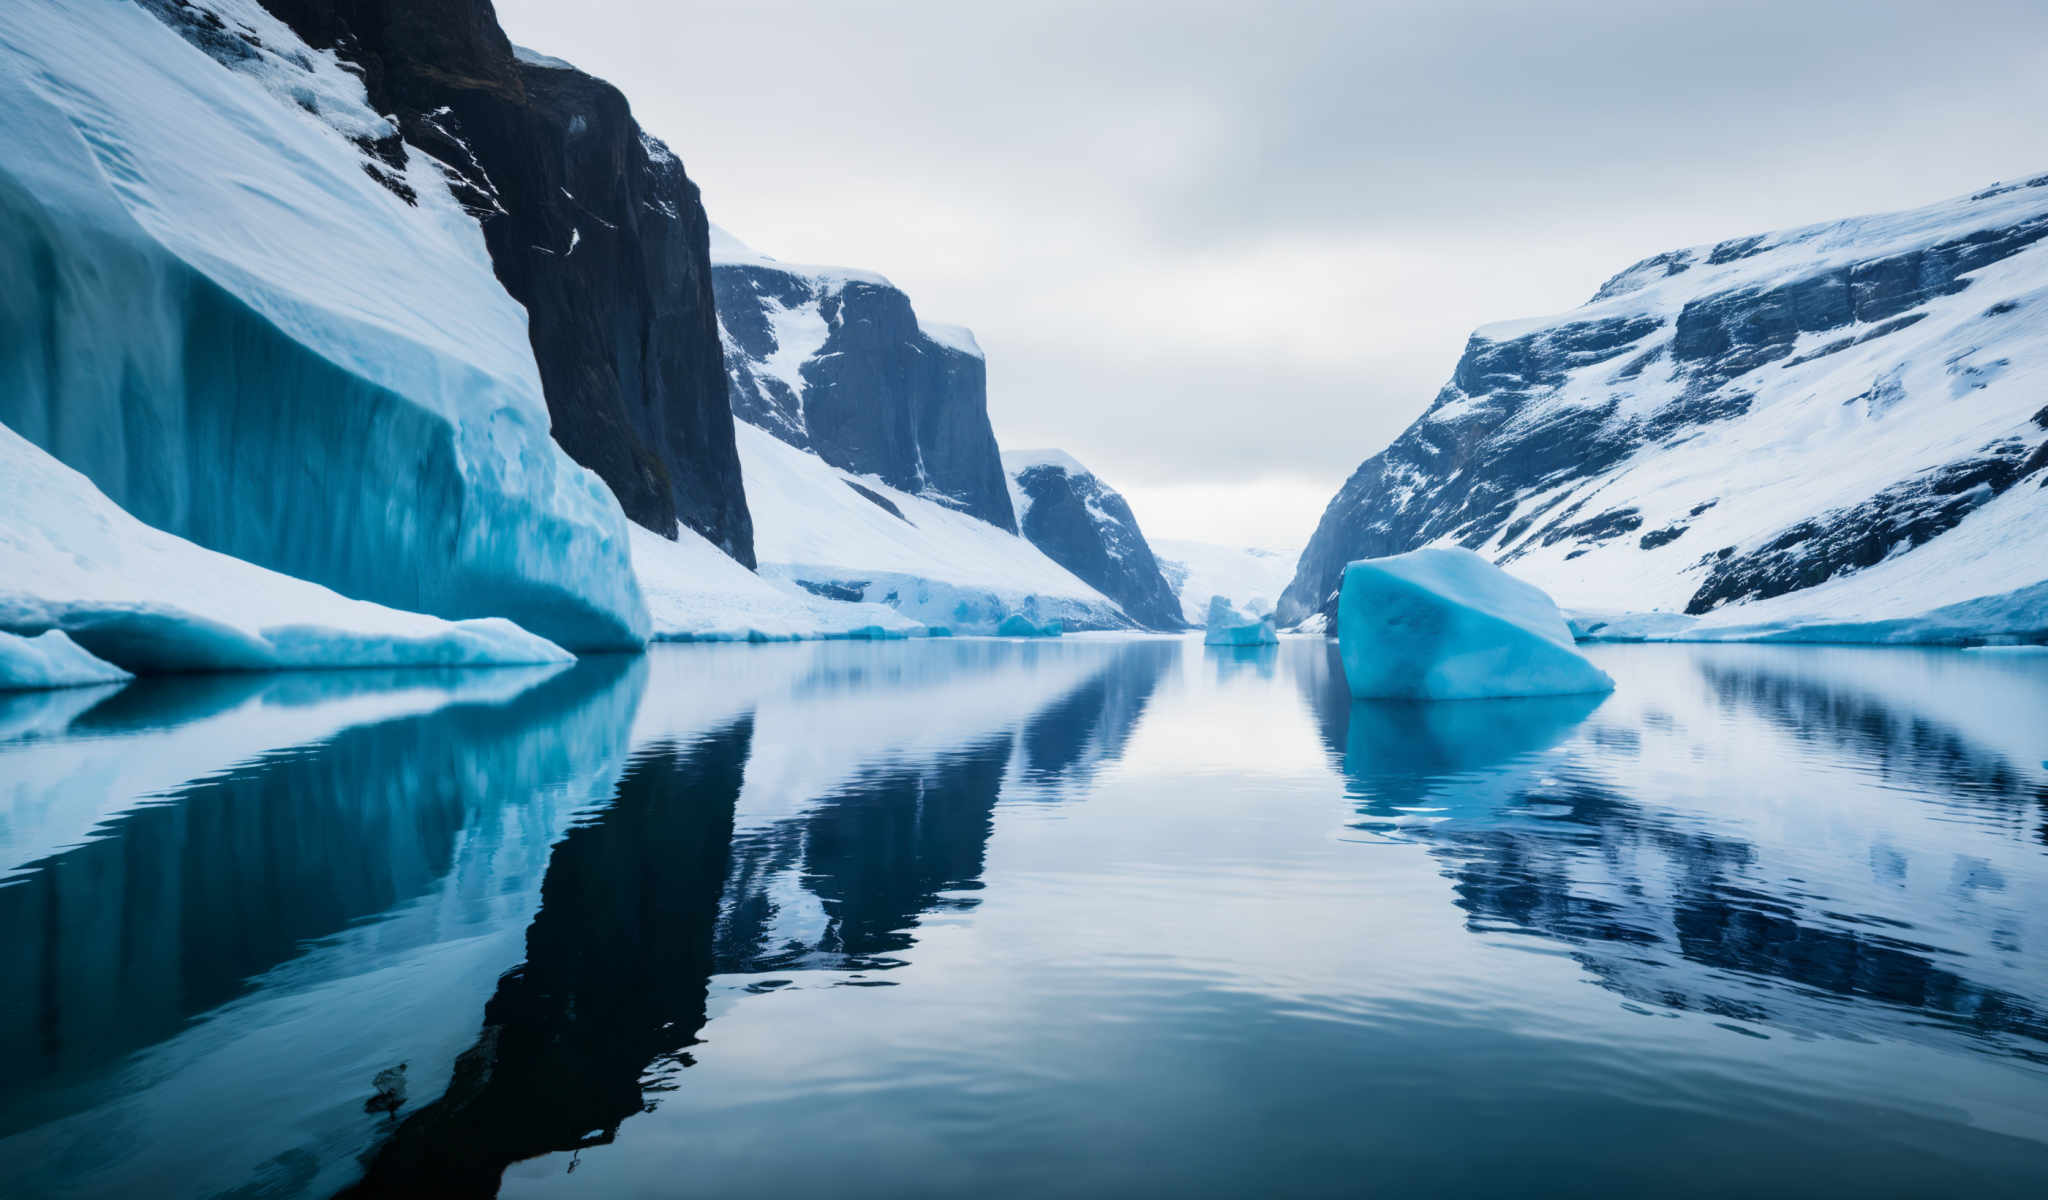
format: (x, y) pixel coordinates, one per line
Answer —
(844, 536)
(592, 227)
(228, 301)
(1250, 577)
(1084, 525)
(1836, 432)
(834, 361)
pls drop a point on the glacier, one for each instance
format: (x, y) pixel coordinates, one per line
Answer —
(1225, 626)
(51, 660)
(216, 303)
(847, 537)
(1445, 624)
(145, 601)
(1251, 578)
(1019, 625)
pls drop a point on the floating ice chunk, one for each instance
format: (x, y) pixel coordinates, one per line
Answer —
(1445, 624)
(51, 660)
(1019, 625)
(144, 600)
(1229, 627)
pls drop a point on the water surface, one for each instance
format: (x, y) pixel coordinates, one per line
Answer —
(1090, 917)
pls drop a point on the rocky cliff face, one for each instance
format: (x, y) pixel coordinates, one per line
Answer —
(836, 362)
(1855, 405)
(1085, 526)
(592, 226)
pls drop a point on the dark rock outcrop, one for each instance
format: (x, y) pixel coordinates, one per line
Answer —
(1546, 435)
(868, 389)
(1084, 525)
(592, 225)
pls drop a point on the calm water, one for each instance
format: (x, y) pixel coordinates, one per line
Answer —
(1089, 918)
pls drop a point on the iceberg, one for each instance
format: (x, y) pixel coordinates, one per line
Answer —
(1229, 627)
(249, 332)
(51, 660)
(119, 592)
(1019, 625)
(1445, 624)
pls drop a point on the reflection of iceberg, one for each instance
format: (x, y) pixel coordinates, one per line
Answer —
(1445, 624)
(121, 750)
(370, 881)
(1403, 752)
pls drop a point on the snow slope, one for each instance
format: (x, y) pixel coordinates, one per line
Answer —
(248, 329)
(1250, 577)
(1829, 426)
(146, 601)
(852, 537)
(696, 593)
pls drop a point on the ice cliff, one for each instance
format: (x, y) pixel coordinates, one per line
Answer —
(230, 302)
(1830, 432)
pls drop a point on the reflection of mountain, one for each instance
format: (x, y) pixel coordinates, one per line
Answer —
(1920, 745)
(1678, 909)
(1091, 724)
(613, 987)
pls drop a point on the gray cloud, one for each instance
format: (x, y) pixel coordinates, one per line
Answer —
(1222, 252)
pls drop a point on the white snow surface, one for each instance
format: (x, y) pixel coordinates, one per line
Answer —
(535, 58)
(1819, 435)
(696, 593)
(1445, 624)
(144, 600)
(51, 660)
(727, 250)
(1251, 578)
(255, 343)
(932, 564)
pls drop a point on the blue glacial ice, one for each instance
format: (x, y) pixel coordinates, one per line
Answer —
(51, 660)
(1019, 625)
(1228, 627)
(1445, 624)
(144, 601)
(211, 309)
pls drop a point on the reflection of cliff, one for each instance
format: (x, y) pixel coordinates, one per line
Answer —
(117, 944)
(1656, 907)
(613, 987)
(1090, 725)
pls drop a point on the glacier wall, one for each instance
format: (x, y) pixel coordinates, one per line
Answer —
(212, 306)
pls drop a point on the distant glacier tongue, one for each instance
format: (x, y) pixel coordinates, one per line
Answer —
(1445, 624)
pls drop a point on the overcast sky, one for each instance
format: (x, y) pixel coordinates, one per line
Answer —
(1224, 252)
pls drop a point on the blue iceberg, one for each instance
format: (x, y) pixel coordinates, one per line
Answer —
(1228, 627)
(1445, 624)
(1019, 625)
(51, 660)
